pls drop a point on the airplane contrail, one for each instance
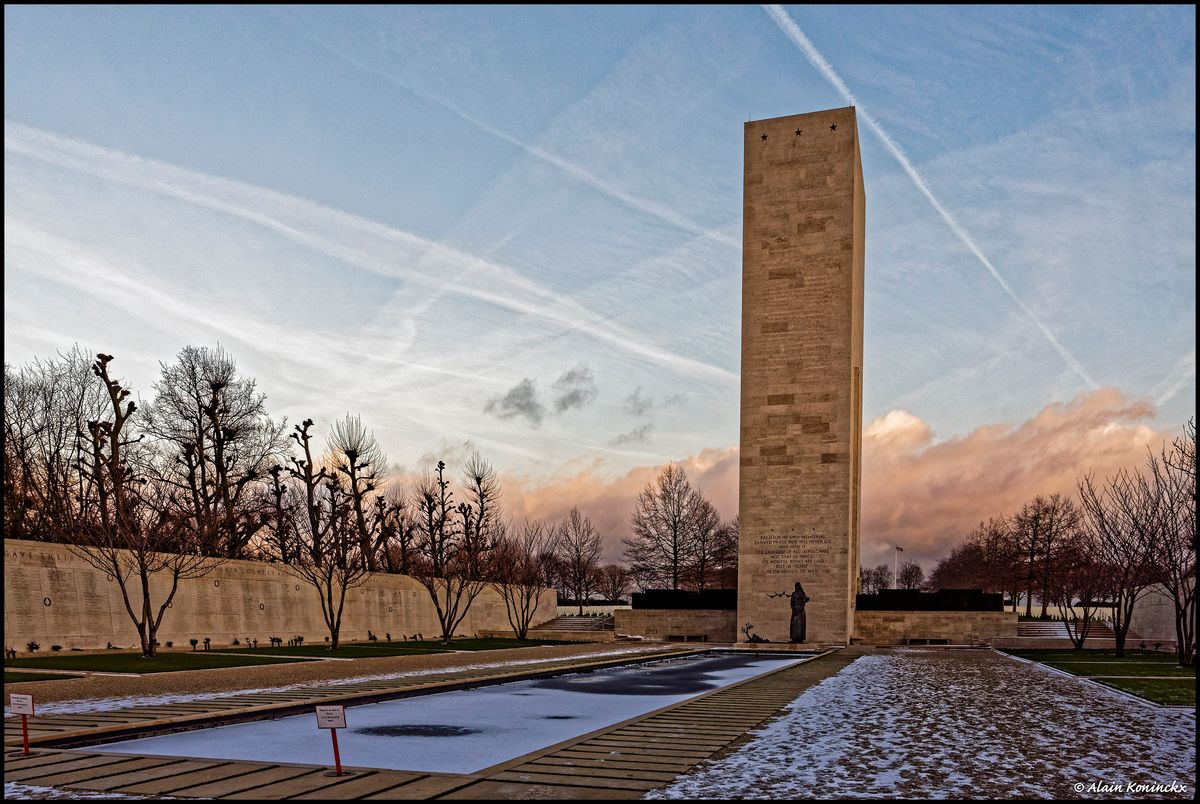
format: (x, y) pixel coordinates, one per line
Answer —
(575, 171)
(789, 27)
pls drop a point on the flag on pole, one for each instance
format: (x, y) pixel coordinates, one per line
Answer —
(899, 549)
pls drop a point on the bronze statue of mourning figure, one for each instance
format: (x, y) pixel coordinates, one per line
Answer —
(799, 624)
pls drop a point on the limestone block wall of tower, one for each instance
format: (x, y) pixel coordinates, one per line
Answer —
(801, 406)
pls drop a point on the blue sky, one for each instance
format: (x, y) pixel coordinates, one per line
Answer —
(521, 227)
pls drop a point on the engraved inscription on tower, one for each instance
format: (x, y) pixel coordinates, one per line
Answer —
(802, 329)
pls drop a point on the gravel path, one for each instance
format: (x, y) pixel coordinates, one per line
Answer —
(919, 724)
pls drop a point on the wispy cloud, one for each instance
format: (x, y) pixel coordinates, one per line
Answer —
(652, 208)
(350, 239)
(1183, 372)
(785, 22)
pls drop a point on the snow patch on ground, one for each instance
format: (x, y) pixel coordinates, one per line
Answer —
(109, 704)
(953, 724)
(31, 791)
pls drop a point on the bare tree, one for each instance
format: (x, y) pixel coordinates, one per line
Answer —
(216, 443)
(47, 405)
(873, 581)
(1079, 583)
(330, 558)
(1123, 520)
(326, 553)
(453, 543)
(1173, 478)
(396, 530)
(613, 581)
(356, 454)
(516, 575)
(910, 575)
(1041, 526)
(989, 558)
(664, 529)
(124, 524)
(284, 541)
(714, 546)
(578, 550)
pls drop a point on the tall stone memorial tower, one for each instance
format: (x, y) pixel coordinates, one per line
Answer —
(802, 344)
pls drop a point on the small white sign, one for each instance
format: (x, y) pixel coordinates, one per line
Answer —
(20, 704)
(331, 717)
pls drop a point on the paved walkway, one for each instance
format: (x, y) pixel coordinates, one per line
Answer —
(620, 761)
(927, 723)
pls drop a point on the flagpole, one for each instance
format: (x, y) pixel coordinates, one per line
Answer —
(896, 567)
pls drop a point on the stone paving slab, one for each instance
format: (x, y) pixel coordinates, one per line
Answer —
(246, 782)
(38, 771)
(492, 790)
(64, 777)
(432, 786)
(562, 780)
(285, 789)
(109, 783)
(169, 784)
(360, 786)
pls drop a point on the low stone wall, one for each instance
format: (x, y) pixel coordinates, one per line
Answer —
(53, 597)
(715, 625)
(1153, 617)
(957, 627)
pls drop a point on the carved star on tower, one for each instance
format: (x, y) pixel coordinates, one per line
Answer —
(797, 132)
(764, 136)
(833, 127)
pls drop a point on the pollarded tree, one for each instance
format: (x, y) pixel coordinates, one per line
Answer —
(578, 549)
(126, 524)
(395, 530)
(453, 543)
(216, 442)
(664, 529)
(325, 550)
(330, 557)
(356, 454)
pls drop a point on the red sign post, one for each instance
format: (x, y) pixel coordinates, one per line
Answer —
(22, 705)
(333, 718)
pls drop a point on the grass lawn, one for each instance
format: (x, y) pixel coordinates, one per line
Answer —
(493, 643)
(1098, 663)
(366, 650)
(347, 650)
(1089, 655)
(1107, 668)
(13, 678)
(134, 663)
(1175, 692)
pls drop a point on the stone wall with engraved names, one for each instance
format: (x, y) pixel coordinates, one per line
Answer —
(54, 597)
